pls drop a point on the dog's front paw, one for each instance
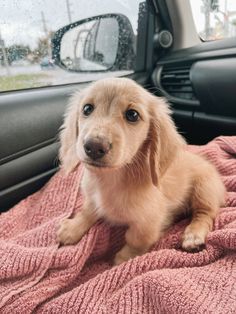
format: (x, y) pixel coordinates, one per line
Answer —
(193, 240)
(68, 232)
(119, 259)
(124, 255)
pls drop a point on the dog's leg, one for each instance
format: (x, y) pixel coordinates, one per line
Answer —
(138, 241)
(72, 230)
(195, 233)
(208, 195)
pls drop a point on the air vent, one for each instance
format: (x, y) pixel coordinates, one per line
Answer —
(176, 82)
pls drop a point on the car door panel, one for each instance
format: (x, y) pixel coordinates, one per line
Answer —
(30, 121)
(12, 195)
(24, 120)
(28, 165)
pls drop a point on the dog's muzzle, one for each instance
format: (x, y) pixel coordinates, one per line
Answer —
(96, 148)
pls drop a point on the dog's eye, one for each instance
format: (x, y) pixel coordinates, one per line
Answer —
(132, 115)
(88, 109)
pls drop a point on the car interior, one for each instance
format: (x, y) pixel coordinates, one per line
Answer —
(166, 56)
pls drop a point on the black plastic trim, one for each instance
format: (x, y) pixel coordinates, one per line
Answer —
(207, 50)
(28, 150)
(29, 165)
(214, 83)
(16, 193)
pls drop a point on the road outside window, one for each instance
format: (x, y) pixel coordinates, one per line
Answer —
(214, 19)
(26, 29)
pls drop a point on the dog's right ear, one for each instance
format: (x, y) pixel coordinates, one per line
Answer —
(69, 134)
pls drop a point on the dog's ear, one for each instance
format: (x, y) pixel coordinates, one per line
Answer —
(69, 134)
(165, 141)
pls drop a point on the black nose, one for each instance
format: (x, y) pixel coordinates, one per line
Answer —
(96, 148)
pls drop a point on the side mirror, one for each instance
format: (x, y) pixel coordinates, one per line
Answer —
(96, 44)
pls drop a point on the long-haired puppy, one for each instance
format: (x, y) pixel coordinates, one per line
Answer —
(137, 171)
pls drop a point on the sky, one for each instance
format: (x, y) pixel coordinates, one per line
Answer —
(21, 20)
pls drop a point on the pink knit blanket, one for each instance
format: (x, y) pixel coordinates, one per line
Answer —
(38, 276)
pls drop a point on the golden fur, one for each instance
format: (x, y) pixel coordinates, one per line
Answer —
(146, 179)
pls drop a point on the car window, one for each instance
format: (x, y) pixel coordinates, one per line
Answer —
(26, 30)
(214, 19)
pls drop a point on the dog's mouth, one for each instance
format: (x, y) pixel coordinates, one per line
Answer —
(97, 164)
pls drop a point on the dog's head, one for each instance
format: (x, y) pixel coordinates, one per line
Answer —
(114, 122)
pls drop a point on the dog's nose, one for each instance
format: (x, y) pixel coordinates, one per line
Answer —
(96, 148)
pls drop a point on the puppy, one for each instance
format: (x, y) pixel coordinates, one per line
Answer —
(137, 171)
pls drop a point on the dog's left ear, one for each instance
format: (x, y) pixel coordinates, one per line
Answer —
(165, 141)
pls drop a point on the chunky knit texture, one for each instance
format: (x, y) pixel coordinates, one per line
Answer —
(38, 276)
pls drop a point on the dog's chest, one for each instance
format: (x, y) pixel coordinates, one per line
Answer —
(110, 205)
(110, 202)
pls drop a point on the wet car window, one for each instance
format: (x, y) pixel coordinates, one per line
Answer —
(214, 19)
(26, 30)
